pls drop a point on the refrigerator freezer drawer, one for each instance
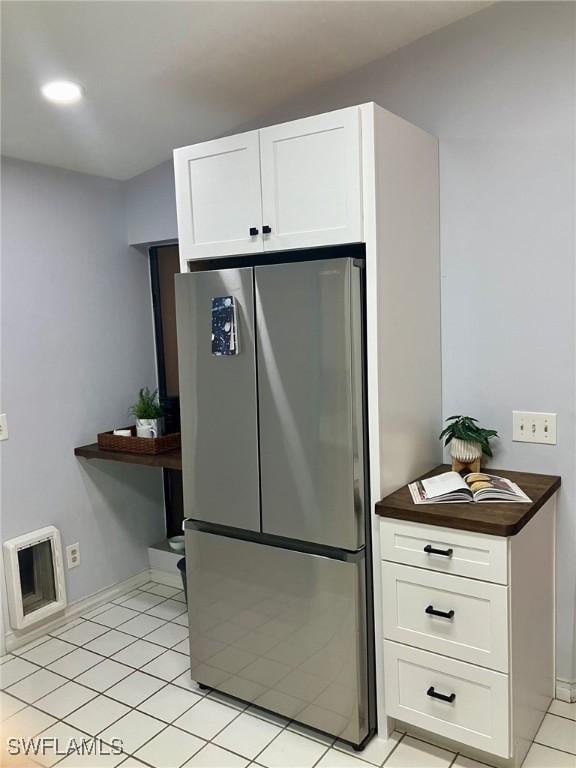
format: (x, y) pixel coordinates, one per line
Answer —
(280, 628)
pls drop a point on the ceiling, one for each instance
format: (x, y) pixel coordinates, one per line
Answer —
(159, 75)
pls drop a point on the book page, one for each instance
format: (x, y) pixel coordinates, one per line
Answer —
(447, 482)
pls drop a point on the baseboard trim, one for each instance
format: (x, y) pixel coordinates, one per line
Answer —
(566, 690)
(16, 639)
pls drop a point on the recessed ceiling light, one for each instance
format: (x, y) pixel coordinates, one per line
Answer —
(62, 92)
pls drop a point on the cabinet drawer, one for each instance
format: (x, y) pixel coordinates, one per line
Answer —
(474, 710)
(461, 553)
(475, 628)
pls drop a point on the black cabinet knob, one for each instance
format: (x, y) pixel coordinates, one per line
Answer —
(266, 229)
(253, 231)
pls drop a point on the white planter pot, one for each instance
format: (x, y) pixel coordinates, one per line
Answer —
(465, 451)
(149, 427)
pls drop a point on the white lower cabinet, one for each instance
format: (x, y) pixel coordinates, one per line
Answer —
(456, 700)
(468, 634)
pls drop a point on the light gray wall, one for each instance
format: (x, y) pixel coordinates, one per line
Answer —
(77, 341)
(151, 206)
(498, 90)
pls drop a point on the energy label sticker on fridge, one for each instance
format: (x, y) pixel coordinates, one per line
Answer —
(224, 326)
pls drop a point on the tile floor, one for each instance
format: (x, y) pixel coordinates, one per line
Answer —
(121, 672)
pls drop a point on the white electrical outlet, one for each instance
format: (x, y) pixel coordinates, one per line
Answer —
(3, 427)
(73, 555)
(536, 427)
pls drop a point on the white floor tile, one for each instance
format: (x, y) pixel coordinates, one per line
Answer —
(169, 703)
(411, 753)
(142, 601)
(126, 596)
(9, 705)
(182, 619)
(104, 675)
(37, 685)
(466, 762)
(247, 735)
(163, 590)
(83, 633)
(101, 760)
(133, 763)
(183, 646)
(138, 654)
(142, 625)
(168, 666)
(48, 652)
(168, 635)
(14, 670)
(333, 758)
(558, 732)
(110, 642)
(563, 709)
(135, 688)
(545, 757)
(134, 729)
(62, 735)
(311, 733)
(171, 748)
(179, 597)
(97, 715)
(73, 664)
(212, 756)
(290, 750)
(7, 657)
(115, 616)
(206, 718)
(168, 610)
(64, 700)
(376, 751)
(28, 722)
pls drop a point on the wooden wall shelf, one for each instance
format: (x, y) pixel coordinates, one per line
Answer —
(168, 460)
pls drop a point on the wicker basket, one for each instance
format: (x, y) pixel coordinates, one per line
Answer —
(108, 441)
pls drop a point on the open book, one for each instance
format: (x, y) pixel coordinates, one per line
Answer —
(476, 486)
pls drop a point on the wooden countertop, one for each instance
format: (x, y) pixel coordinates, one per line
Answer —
(495, 518)
(168, 460)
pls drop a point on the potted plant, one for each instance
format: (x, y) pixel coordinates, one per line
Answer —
(148, 413)
(467, 441)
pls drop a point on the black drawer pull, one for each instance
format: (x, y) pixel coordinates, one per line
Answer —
(430, 550)
(450, 699)
(431, 611)
(266, 229)
(253, 231)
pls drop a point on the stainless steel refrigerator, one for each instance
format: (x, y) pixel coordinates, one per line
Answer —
(271, 360)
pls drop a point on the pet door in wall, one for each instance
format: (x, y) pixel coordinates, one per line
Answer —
(34, 577)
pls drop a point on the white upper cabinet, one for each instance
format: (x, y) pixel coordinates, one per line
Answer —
(296, 185)
(218, 197)
(311, 181)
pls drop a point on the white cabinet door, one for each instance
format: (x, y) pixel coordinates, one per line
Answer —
(218, 197)
(311, 181)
